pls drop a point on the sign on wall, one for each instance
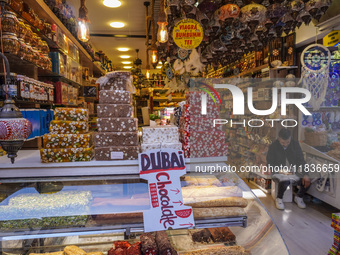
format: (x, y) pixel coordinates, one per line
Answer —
(188, 34)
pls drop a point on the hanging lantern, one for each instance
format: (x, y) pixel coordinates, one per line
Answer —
(324, 5)
(268, 24)
(275, 12)
(296, 6)
(313, 7)
(305, 17)
(83, 23)
(202, 18)
(253, 15)
(208, 7)
(188, 5)
(227, 13)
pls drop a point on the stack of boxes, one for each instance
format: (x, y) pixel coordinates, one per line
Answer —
(69, 139)
(117, 137)
(160, 137)
(197, 133)
(335, 249)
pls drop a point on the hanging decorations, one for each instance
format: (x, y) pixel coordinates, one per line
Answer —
(253, 15)
(315, 61)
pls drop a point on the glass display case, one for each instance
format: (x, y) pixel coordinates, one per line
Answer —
(46, 207)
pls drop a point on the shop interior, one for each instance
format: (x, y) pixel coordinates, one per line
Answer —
(89, 89)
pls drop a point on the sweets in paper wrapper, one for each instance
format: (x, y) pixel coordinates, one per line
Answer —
(71, 114)
(152, 146)
(73, 250)
(68, 127)
(117, 124)
(167, 134)
(149, 245)
(117, 153)
(55, 141)
(196, 111)
(104, 139)
(197, 124)
(114, 110)
(66, 155)
(218, 212)
(226, 250)
(197, 137)
(114, 97)
(115, 83)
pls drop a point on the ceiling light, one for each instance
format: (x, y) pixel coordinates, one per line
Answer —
(112, 3)
(159, 67)
(117, 24)
(127, 67)
(123, 49)
(126, 62)
(125, 56)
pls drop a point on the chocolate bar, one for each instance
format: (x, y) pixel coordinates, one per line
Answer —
(66, 155)
(117, 153)
(114, 110)
(114, 97)
(55, 141)
(104, 139)
(117, 124)
(71, 114)
(68, 127)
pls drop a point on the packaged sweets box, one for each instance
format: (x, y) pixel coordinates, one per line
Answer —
(56, 141)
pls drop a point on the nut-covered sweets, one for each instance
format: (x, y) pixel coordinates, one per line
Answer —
(160, 135)
(117, 124)
(66, 155)
(117, 153)
(116, 139)
(68, 127)
(71, 114)
(114, 97)
(67, 140)
(114, 110)
(115, 83)
(154, 146)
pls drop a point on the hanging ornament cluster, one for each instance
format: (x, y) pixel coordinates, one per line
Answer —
(233, 28)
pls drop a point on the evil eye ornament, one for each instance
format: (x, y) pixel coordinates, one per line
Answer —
(169, 73)
(182, 53)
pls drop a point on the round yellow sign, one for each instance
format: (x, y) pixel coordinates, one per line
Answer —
(188, 34)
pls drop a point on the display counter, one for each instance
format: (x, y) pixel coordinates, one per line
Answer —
(45, 207)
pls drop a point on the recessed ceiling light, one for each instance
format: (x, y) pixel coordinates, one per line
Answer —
(158, 67)
(126, 62)
(112, 3)
(123, 49)
(117, 24)
(125, 56)
(127, 67)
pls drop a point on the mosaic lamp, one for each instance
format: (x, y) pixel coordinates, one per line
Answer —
(14, 129)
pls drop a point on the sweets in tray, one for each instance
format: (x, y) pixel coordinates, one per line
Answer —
(54, 141)
(66, 155)
(71, 114)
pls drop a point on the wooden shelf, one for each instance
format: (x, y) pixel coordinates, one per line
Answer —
(160, 99)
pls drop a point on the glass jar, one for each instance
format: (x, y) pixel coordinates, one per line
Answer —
(23, 49)
(44, 48)
(47, 29)
(36, 20)
(10, 23)
(10, 43)
(35, 40)
(22, 30)
(29, 34)
(28, 14)
(17, 5)
(29, 53)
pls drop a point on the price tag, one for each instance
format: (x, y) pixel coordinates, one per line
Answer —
(117, 155)
(163, 169)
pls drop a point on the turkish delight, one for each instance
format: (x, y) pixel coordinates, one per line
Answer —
(115, 83)
(114, 110)
(117, 153)
(116, 139)
(190, 124)
(117, 124)
(153, 146)
(213, 111)
(56, 141)
(195, 98)
(71, 114)
(160, 134)
(201, 137)
(66, 155)
(68, 127)
(114, 97)
(196, 151)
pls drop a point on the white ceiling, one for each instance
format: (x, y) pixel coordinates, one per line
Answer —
(132, 13)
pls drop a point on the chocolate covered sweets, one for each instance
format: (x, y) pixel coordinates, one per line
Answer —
(117, 124)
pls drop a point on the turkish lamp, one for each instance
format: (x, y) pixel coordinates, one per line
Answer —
(83, 23)
(147, 74)
(162, 34)
(154, 57)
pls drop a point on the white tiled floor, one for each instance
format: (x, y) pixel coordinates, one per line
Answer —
(305, 231)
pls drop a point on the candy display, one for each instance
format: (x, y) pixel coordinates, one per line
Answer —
(71, 114)
(116, 152)
(163, 244)
(66, 155)
(195, 98)
(196, 137)
(153, 146)
(117, 124)
(116, 139)
(232, 250)
(197, 151)
(115, 83)
(149, 245)
(114, 97)
(198, 124)
(222, 234)
(196, 110)
(166, 134)
(54, 141)
(68, 127)
(73, 250)
(114, 110)
(335, 249)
